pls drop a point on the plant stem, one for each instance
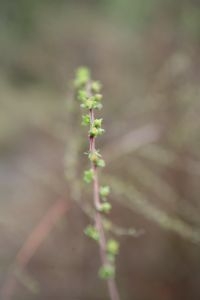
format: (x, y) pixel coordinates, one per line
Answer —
(112, 287)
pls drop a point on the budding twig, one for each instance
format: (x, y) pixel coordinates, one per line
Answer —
(90, 98)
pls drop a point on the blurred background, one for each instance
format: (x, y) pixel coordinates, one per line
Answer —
(146, 54)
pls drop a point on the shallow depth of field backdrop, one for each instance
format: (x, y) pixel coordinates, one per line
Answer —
(146, 53)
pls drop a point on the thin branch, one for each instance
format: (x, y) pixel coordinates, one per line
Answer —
(32, 243)
(132, 141)
(137, 202)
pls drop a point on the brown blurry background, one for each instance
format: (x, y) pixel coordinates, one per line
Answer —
(146, 54)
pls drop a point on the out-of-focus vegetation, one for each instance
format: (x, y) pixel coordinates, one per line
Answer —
(146, 53)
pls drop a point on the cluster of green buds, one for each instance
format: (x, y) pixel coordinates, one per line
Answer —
(108, 270)
(89, 94)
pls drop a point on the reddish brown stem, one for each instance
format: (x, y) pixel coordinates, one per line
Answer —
(112, 287)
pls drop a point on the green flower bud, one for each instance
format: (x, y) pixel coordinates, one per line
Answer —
(105, 207)
(98, 97)
(98, 106)
(82, 76)
(85, 120)
(89, 103)
(106, 272)
(93, 132)
(100, 163)
(100, 131)
(98, 123)
(88, 176)
(94, 156)
(96, 86)
(82, 95)
(92, 232)
(112, 247)
(104, 191)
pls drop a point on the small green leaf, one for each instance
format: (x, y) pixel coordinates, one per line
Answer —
(92, 232)
(88, 176)
(112, 247)
(106, 272)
